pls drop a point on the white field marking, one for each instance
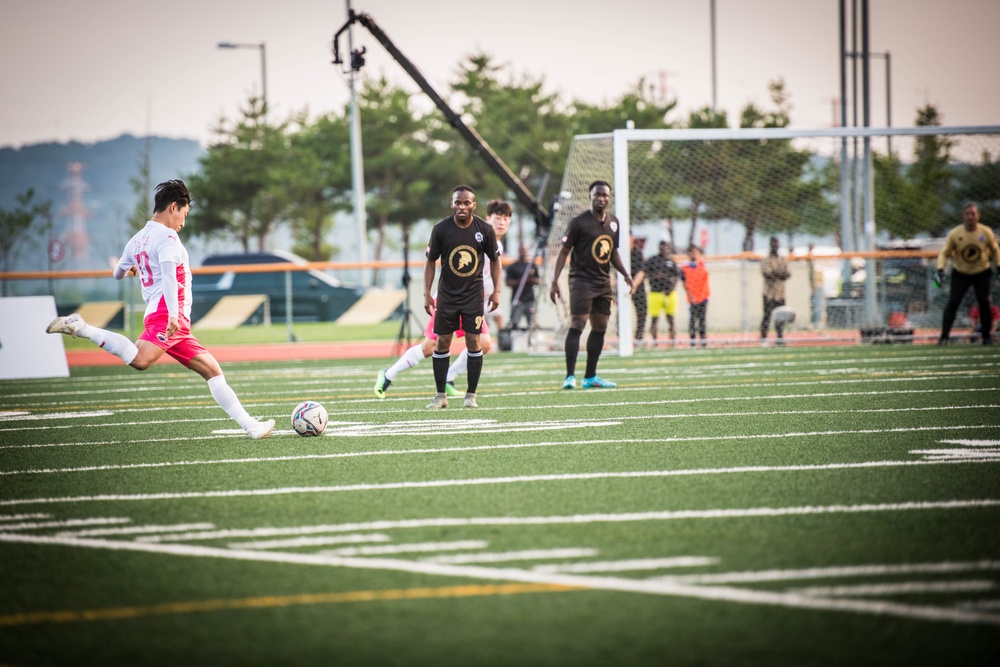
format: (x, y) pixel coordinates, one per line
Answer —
(312, 541)
(343, 401)
(578, 519)
(487, 448)
(152, 422)
(629, 565)
(900, 588)
(490, 426)
(416, 547)
(807, 434)
(332, 426)
(507, 556)
(985, 605)
(973, 443)
(120, 442)
(7, 414)
(68, 523)
(955, 454)
(762, 576)
(22, 517)
(55, 415)
(647, 586)
(135, 530)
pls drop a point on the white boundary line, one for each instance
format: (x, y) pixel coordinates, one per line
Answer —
(649, 587)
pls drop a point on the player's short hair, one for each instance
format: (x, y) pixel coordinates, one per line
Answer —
(459, 188)
(498, 207)
(169, 192)
(596, 183)
(970, 204)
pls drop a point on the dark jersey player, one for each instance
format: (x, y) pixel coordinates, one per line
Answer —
(462, 241)
(592, 238)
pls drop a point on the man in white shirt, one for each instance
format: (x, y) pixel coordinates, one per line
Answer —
(156, 255)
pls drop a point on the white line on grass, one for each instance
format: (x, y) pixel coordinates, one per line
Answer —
(507, 556)
(904, 588)
(22, 517)
(63, 524)
(762, 576)
(629, 565)
(570, 443)
(647, 586)
(312, 541)
(136, 530)
(417, 547)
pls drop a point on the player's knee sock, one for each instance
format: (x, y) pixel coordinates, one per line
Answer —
(459, 366)
(409, 359)
(228, 401)
(572, 350)
(440, 361)
(475, 363)
(112, 342)
(595, 343)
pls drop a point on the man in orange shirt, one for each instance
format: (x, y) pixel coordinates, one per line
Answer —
(695, 277)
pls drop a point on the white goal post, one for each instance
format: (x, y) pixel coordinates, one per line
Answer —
(745, 184)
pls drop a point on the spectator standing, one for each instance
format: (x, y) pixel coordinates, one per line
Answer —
(695, 277)
(970, 247)
(775, 271)
(522, 299)
(663, 274)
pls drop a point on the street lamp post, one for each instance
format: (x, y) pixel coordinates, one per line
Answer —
(263, 64)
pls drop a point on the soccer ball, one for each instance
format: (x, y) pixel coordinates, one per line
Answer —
(309, 418)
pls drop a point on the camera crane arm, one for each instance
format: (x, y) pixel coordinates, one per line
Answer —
(479, 145)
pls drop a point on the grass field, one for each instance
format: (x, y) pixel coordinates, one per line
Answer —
(793, 506)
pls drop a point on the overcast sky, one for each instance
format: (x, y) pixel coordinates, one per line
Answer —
(89, 71)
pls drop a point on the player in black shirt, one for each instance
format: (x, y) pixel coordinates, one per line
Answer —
(461, 241)
(592, 237)
(663, 274)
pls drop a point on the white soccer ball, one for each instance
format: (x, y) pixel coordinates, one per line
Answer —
(309, 418)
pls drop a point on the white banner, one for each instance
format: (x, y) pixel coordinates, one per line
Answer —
(26, 351)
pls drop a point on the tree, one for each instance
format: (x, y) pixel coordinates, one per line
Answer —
(18, 226)
(238, 191)
(979, 183)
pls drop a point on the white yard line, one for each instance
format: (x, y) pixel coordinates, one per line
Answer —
(762, 576)
(298, 542)
(629, 565)
(648, 586)
(905, 587)
(68, 523)
(415, 547)
(506, 556)
(136, 530)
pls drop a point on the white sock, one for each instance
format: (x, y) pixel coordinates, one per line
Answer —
(228, 401)
(410, 358)
(112, 342)
(458, 367)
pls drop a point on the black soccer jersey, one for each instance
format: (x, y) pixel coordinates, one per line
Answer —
(462, 253)
(663, 273)
(591, 243)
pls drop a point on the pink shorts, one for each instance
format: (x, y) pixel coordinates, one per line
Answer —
(182, 346)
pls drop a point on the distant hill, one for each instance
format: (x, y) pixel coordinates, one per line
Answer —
(108, 198)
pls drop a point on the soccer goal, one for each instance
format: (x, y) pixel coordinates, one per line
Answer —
(858, 212)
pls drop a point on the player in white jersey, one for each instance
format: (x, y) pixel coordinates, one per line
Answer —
(498, 214)
(156, 255)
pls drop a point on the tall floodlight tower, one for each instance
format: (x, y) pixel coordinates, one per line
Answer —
(75, 239)
(357, 159)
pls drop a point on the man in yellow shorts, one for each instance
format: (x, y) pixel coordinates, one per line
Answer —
(663, 274)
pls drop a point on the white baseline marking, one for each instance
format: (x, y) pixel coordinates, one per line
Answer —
(905, 587)
(474, 448)
(648, 586)
(581, 519)
(629, 565)
(506, 556)
(312, 541)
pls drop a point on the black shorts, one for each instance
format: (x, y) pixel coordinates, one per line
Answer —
(585, 299)
(448, 320)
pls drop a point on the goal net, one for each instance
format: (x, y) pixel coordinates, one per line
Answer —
(860, 214)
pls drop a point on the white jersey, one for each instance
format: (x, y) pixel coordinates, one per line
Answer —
(488, 285)
(151, 246)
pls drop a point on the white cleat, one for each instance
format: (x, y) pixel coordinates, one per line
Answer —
(71, 325)
(470, 401)
(440, 401)
(260, 430)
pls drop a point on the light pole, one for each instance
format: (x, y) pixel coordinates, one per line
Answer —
(263, 65)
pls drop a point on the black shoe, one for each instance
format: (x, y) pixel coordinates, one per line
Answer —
(942, 342)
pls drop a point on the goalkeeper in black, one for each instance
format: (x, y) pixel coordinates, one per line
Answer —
(970, 246)
(592, 238)
(462, 242)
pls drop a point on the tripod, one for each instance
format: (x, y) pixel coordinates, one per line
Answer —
(405, 334)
